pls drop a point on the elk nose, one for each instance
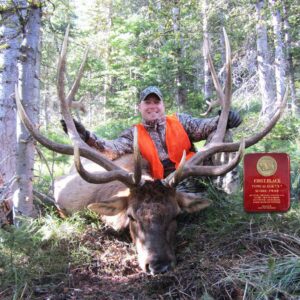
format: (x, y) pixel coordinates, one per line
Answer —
(158, 267)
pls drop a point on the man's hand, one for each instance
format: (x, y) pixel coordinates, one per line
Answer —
(83, 133)
(234, 119)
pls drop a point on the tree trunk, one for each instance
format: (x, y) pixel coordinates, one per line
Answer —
(107, 78)
(180, 91)
(280, 62)
(28, 66)
(10, 43)
(46, 102)
(290, 65)
(207, 89)
(266, 76)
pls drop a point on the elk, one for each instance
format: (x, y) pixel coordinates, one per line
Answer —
(124, 194)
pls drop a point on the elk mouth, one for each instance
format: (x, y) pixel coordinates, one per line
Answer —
(159, 267)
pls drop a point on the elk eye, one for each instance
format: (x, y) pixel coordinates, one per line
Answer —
(131, 218)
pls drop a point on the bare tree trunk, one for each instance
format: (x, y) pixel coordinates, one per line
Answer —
(107, 78)
(47, 118)
(266, 76)
(180, 91)
(10, 43)
(280, 62)
(290, 65)
(207, 89)
(28, 66)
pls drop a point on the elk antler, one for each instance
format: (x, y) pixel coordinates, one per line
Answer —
(137, 159)
(224, 97)
(193, 167)
(128, 178)
(114, 172)
(211, 105)
(174, 178)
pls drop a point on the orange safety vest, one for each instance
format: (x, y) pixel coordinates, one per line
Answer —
(177, 141)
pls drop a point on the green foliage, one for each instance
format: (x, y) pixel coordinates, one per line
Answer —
(112, 129)
(39, 252)
(287, 129)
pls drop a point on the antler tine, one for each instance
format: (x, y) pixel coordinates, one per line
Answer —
(228, 84)
(175, 177)
(75, 86)
(213, 72)
(64, 105)
(137, 176)
(221, 128)
(98, 178)
(194, 170)
(211, 105)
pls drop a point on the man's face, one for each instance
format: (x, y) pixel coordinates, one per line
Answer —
(152, 108)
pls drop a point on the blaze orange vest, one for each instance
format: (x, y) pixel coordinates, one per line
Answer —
(177, 140)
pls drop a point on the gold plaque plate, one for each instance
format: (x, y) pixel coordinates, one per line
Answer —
(266, 166)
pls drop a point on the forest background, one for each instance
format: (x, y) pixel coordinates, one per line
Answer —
(134, 44)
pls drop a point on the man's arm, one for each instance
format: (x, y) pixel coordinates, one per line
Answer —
(200, 129)
(113, 148)
(110, 148)
(196, 128)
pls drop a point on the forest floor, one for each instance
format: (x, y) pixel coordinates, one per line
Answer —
(222, 253)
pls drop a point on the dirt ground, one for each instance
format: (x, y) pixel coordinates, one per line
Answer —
(203, 263)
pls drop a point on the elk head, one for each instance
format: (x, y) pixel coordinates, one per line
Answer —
(150, 207)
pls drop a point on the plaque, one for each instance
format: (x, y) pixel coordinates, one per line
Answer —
(266, 182)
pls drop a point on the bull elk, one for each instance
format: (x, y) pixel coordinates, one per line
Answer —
(123, 194)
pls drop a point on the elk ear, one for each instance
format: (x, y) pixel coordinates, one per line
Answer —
(191, 202)
(111, 207)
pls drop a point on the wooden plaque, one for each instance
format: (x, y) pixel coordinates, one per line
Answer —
(266, 182)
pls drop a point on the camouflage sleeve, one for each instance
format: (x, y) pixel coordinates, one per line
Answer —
(196, 128)
(113, 148)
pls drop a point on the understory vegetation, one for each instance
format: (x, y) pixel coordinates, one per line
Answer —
(222, 252)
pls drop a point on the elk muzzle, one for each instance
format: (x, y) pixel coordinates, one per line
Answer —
(155, 246)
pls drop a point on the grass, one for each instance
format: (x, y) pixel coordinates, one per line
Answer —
(39, 251)
(223, 253)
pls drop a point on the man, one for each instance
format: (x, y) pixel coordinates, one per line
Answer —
(162, 138)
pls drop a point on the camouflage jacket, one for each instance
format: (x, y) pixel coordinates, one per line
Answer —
(197, 129)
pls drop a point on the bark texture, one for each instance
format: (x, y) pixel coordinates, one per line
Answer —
(28, 66)
(180, 90)
(207, 78)
(289, 60)
(265, 72)
(280, 61)
(10, 43)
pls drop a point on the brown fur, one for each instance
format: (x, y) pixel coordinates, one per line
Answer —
(150, 210)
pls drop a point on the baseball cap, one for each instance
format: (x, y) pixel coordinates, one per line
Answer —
(150, 90)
